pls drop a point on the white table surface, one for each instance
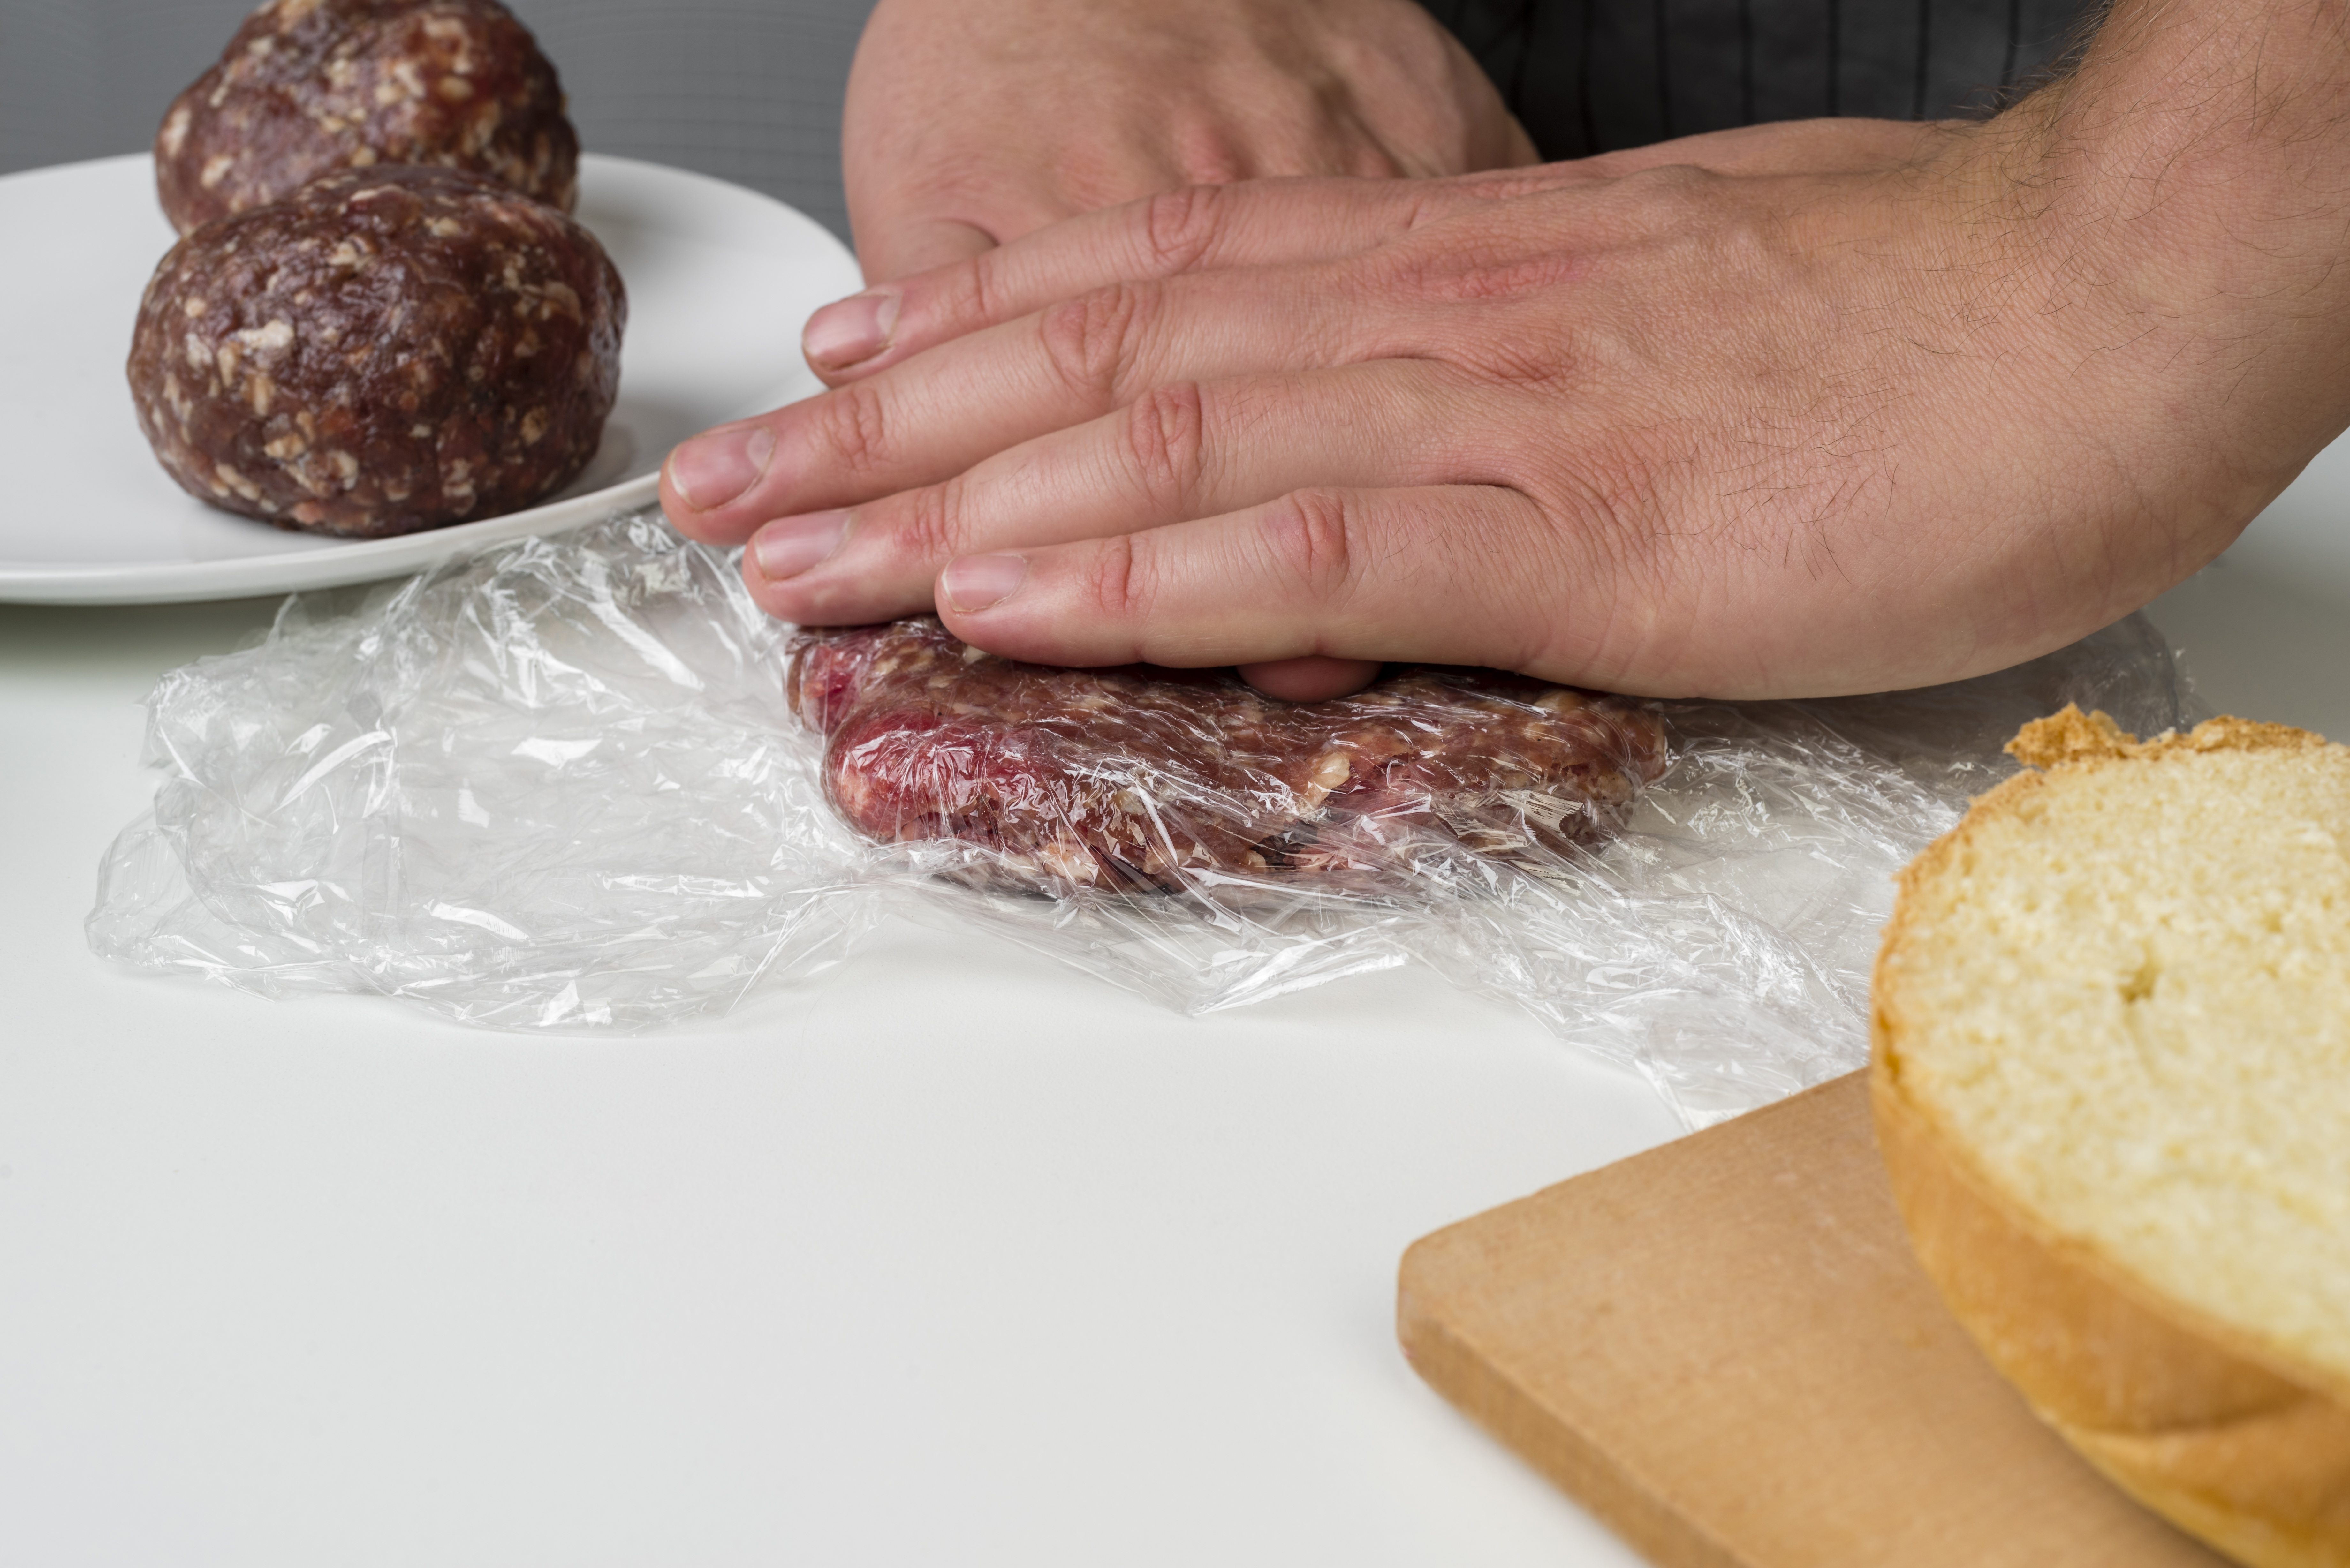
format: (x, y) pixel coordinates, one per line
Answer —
(950, 1257)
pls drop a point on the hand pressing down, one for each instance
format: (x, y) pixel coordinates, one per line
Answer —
(1804, 410)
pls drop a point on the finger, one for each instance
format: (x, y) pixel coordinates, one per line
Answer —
(1178, 453)
(1201, 228)
(1267, 221)
(1312, 679)
(1451, 575)
(920, 247)
(936, 416)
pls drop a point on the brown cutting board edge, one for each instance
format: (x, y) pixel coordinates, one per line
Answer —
(1724, 1348)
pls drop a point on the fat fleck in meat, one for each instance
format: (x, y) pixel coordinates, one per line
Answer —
(310, 86)
(387, 350)
(1142, 779)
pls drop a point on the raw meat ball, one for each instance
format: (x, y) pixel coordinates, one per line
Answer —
(390, 350)
(310, 86)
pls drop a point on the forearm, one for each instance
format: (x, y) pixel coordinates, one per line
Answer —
(2194, 174)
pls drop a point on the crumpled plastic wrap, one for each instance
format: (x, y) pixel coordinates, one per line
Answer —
(563, 786)
(1064, 781)
(551, 787)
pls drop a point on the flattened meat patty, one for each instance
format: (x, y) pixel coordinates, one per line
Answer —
(308, 87)
(1141, 779)
(388, 351)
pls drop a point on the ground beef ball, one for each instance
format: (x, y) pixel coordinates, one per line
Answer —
(1141, 778)
(310, 86)
(390, 350)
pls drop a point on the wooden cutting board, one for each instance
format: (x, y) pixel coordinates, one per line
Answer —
(1724, 1348)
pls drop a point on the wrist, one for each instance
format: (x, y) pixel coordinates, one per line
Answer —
(2188, 190)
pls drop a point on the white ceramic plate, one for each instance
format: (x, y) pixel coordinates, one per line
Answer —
(720, 280)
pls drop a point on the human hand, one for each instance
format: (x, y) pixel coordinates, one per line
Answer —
(971, 122)
(1788, 423)
(863, 333)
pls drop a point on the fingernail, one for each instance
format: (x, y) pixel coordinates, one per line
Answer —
(849, 331)
(982, 582)
(790, 545)
(715, 468)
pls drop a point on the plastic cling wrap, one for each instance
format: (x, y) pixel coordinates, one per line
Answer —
(554, 786)
(1065, 781)
(583, 783)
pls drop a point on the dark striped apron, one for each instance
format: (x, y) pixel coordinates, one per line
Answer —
(1594, 76)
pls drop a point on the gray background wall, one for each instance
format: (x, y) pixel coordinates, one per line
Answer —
(748, 90)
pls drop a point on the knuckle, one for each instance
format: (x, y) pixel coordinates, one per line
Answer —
(1438, 265)
(1090, 341)
(1118, 580)
(1164, 449)
(1313, 539)
(933, 526)
(851, 426)
(966, 297)
(1520, 362)
(1180, 227)
(1210, 152)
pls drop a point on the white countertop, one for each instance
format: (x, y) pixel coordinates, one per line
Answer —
(950, 1257)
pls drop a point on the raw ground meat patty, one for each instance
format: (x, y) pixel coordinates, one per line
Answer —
(388, 350)
(308, 87)
(1141, 778)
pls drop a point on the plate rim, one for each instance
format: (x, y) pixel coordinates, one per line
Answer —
(105, 583)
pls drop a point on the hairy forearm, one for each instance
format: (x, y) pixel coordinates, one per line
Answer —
(2210, 80)
(2196, 164)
